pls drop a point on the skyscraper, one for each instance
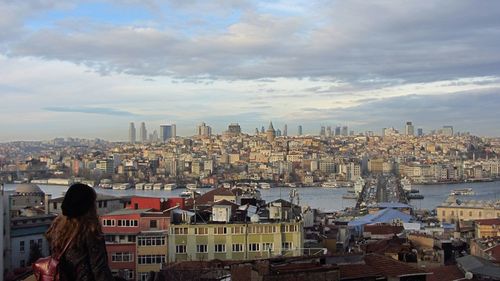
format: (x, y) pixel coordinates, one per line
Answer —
(299, 130)
(131, 133)
(409, 129)
(285, 130)
(337, 131)
(167, 132)
(329, 131)
(204, 130)
(345, 131)
(420, 132)
(233, 129)
(143, 133)
(322, 132)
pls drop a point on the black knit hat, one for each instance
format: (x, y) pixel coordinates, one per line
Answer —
(78, 200)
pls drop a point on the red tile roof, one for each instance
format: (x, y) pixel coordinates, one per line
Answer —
(356, 271)
(392, 268)
(449, 272)
(489, 221)
(382, 229)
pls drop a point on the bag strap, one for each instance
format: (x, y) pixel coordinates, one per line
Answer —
(67, 245)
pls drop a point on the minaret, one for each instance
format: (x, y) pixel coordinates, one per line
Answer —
(270, 133)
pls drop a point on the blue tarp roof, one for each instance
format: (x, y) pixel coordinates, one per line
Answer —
(383, 216)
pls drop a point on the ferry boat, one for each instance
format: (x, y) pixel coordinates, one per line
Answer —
(148, 186)
(415, 196)
(170, 186)
(349, 196)
(158, 186)
(464, 192)
(264, 185)
(358, 185)
(122, 186)
(329, 184)
(191, 186)
(139, 186)
(189, 193)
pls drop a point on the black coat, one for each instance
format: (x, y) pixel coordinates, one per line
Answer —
(86, 261)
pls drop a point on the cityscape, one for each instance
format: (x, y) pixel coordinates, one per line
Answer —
(250, 140)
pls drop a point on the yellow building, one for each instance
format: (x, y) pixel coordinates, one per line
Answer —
(467, 211)
(234, 241)
(151, 250)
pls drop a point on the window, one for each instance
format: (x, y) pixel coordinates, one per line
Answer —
(254, 247)
(128, 223)
(153, 223)
(237, 230)
(444, 213)
(267, 246)
(143, 276)
(202, 248)
(220, 248)
(151, 241)
(122, 257)
(180, 249)
(108, 222)
(151, 259)
(21, 246)
(40, 244)
(237, 247)
(286, 246)
(480, 214)
(201, 231)
(54, 205)
(22, 263)
(470, 213)
(461, 213)
(220, 230)
(181, 230)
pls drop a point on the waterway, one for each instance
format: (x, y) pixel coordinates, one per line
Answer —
(324, 199)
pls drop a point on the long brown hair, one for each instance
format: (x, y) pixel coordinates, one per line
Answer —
(63, 228)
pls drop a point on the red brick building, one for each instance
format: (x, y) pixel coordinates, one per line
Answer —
(135, 241)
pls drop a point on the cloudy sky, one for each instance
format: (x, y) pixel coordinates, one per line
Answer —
(88, 68)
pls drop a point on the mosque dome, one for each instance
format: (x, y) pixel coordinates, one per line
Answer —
(29, 189)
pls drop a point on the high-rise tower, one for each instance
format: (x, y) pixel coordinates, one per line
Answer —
(143, 133)
(131, 133)
(409, 129)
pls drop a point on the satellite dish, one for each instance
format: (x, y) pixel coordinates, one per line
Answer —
(468, 275)
(254, 218)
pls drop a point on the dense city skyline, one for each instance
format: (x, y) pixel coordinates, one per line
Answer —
(80, 69)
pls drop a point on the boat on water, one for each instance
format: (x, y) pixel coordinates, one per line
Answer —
(139, 186)
(415, 196)
(264, 185)
(329, 184)
(191, 186)
(463, 192)
(148, 186)
(170, 186)
(189, 193)
(122, 186)
(105, 186)
(349, 196)
(158, 186)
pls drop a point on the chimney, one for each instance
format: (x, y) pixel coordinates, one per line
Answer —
(47, 203)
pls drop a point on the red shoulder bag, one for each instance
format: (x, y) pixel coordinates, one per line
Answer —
(46, 269)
